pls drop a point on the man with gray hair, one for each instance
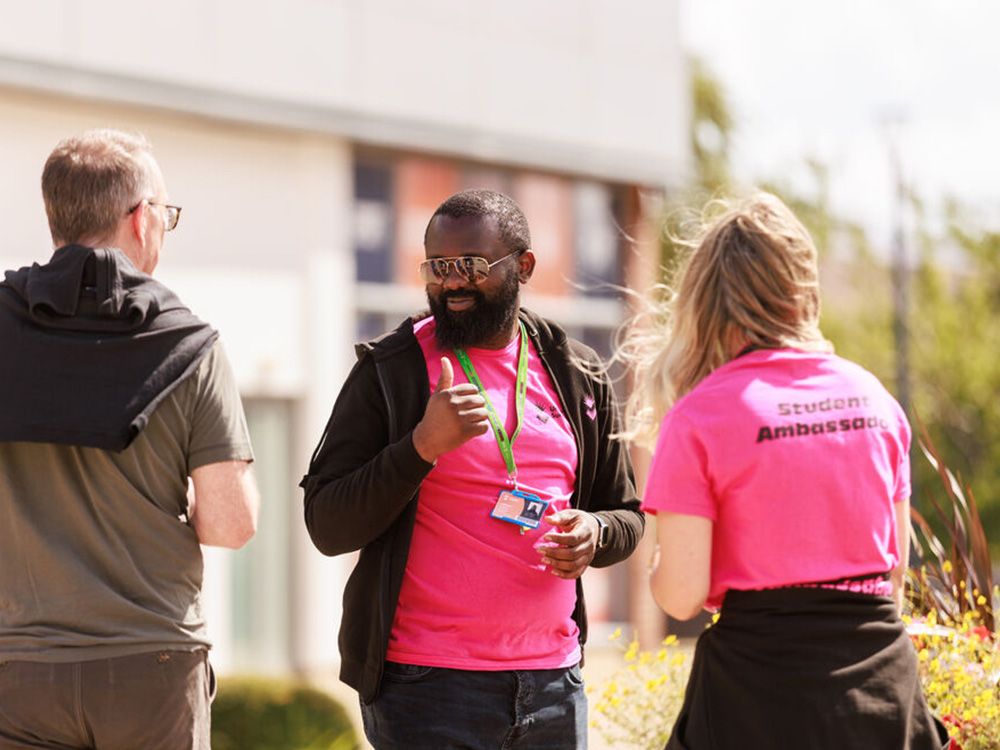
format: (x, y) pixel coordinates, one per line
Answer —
(112, 395)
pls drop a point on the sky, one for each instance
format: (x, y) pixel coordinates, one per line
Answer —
(823, 80)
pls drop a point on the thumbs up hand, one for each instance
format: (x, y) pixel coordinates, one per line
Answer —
(454, 414)
(447, 376)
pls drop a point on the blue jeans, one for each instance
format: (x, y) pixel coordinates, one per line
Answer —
(447, 709)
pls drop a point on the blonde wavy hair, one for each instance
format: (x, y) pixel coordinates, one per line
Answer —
(749, 278)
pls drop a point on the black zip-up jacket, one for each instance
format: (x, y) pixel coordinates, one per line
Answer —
(365, 475)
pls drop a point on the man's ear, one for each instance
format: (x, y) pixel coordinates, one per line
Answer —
(138, 220)
(525, 266)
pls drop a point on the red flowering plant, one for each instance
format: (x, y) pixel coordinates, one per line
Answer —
(951, 604)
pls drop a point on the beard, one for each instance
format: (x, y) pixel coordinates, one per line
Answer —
(487, 317)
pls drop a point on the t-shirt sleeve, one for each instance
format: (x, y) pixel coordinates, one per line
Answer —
(678, 479)
(902, 489)
(218, 424)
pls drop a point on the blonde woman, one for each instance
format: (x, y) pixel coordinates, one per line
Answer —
(781, 484)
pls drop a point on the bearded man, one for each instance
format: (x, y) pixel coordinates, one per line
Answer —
(469, 458)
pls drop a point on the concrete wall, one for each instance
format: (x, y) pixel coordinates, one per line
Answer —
(578, 85)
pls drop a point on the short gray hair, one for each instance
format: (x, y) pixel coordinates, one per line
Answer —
(92, 180)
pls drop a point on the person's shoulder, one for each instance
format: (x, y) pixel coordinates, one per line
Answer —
(850, 369)
(212, 366)
(729, 380)
(576, 360)
(863, 379)
(694, 405)
(554, 336)
(391, 343)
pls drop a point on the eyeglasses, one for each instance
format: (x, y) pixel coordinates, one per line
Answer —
(171, 214)
(472, 268)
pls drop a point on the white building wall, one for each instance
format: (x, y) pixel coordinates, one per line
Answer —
(577, 85)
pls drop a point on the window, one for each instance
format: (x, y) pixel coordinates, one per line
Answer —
(261, 571)
(597, 239)
(373, 224)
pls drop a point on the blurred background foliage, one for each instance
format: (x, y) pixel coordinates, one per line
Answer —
(261, 713)
(953, 311)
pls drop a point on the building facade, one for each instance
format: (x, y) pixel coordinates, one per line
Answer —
(309, 142)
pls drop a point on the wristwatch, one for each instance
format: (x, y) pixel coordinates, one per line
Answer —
(602, 534)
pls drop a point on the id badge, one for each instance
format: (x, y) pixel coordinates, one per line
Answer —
(521, 508)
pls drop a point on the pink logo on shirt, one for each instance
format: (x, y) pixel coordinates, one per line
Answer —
(591, 412)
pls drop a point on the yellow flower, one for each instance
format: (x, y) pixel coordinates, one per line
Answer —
(633, 651)
(946, 566)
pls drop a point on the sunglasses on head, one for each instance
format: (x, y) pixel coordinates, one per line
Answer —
(473, 268)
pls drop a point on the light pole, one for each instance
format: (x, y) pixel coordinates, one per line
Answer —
(900, 282)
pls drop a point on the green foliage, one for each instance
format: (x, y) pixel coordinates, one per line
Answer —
(956, 327)
(954, 315)
(711, 127)
(955, 577)
(262, 714)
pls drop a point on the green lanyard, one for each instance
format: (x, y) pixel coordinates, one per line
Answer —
(505, 444)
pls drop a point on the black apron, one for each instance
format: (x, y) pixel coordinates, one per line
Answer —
(805, 668)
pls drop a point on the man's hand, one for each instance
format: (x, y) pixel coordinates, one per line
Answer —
(454, 414)
(569, 550)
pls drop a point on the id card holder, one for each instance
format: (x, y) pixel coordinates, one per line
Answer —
(521, 508)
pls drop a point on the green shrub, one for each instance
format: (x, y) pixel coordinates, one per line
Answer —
(251, 713)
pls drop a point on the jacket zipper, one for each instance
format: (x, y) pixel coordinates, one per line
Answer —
(386, 557)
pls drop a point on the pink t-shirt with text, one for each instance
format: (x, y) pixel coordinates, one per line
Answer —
(797, 457)
(474, 594)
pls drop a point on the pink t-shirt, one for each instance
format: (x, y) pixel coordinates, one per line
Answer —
(474, 594)
(797, 458)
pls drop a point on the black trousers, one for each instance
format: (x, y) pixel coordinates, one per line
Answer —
(805, 668)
